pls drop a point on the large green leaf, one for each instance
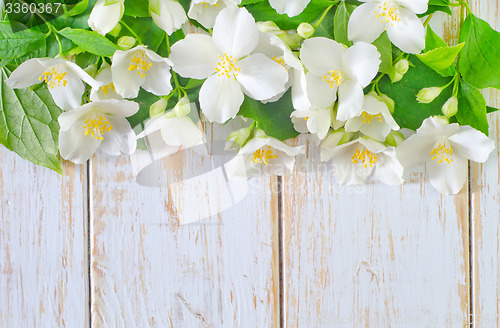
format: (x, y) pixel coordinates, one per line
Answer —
(442, 59)
(472, 108)
(137, 8)
(150, 34)
(384, 47)
(18, 44)
(28, 123)
(479, 61)
(409, 113)
(91, 42)
(273, 118)
(342, 16)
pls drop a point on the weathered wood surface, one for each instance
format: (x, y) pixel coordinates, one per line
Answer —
(150, 271)
(373, 256)
(43, 252)
(485, 207)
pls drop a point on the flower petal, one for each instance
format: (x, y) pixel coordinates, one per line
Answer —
(321, 55)
(181, 132)
(205, 14)
(415, 150)
(472, 144)
(408, 33)
(361, 62)
(416, 6)
(261, 77)
(123, 108)
(69, 96)
(157, 79)
(127, 83)
(364, 24)
(388, 169)
(447, 178)
(74, 145)
(320, 94)
(196, 56)
(28, 73)
(290, 7)
(121, 139)
(220, 98)
(235, 32)
(104, 18)
(350, 100)
(172, 16)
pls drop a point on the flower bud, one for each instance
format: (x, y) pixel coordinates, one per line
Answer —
(386, 99)
(394, 139)
(427, 95)
(158, 107)
(400, 69)
(450, 107)
(239, 137)
(91, 70)
(305, 30)
(183, 107)
(126, 42)
(269, 27)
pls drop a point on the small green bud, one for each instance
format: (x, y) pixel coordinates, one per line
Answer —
(158, 107)
(443, 120)
(427, 95)
(399, 70)
(269, 27)
(450, 107)
(116, 30)
(91, 70)
(240, 137)
(126, 42)
(305, 30)
(394, 139)
(183, 107)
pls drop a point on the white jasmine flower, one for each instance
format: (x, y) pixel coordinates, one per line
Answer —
(169, 15)
(63, 78)
(176, 128)
(205, 12)
(315, 121)
(375, 120)
(263, 154)
(398, 17)
(105, 15)
(107, 88)
(333, 68)
(140, 67)
(97, 125)
(443, 147)
(362, 159)
(226, 60)
(289, 7)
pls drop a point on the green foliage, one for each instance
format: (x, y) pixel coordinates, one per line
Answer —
(91, 42)
(479, 61)
(408, 113)
(273, 118)
(472, 108)
(342, 16)
(150, 34)
(18, 44)
(28, 123)
(384, 47)
(136, 8)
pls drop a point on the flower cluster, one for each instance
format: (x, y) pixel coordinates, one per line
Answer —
(378, 92)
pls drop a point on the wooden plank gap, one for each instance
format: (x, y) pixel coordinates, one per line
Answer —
(88, 227)
(471, 252)
(281, 253)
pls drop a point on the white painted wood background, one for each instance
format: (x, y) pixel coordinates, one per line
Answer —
(94, 249)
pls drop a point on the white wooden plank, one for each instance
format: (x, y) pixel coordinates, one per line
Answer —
(43, 253)
(373, 256)
(148, 270)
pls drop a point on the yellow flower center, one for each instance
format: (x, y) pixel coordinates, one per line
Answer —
(334, 78)
(97, 126)
(364, 157)
(263, 155)
(442, 154)
(280, 61)
(207, 4)
(387, 13)
(227, 67)
(53, 78)
(140, 63)
(367, 118)
(107, 88)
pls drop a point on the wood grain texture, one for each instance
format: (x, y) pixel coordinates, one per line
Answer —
(43, 257)
(148, 270)
(373, 256)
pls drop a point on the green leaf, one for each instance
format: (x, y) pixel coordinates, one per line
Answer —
(91, 42)
(273, 118)
(18, 44)
(472, 108)
(28, 123)
(384, 46)
(433, 41)
(442, 59)
(77, 9)
(479, 61)
(437, 5)
(137, 8)
(408, 113)
(150, 34)
(262, 11)
(342, 16)
(490, 109)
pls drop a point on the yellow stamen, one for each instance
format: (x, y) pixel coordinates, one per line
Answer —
(367, 118)
(140, 63)
(106, 88)
(440, 154)
(334, 78)
(227, 67)
(53, 78)
(364, 157)
(263, 155)
(97, 126)
(387, 13)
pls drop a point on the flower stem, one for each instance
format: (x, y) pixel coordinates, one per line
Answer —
(318, 23)
(139, 41)
(52, 29)
(178, 86)
(428, 19)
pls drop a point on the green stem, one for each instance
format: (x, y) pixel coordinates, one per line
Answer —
(178, 86)
(139, 41)
(318, 23)
(52, 29)
(428, 19)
